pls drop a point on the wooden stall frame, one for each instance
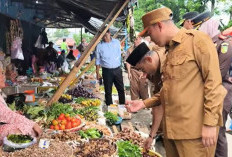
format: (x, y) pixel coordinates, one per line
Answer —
(87, 52)
(79, 76)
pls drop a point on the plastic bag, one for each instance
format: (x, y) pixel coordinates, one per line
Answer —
(38, 43)
(16, 49)
(122, 111)
(10, 146)
(65, 67)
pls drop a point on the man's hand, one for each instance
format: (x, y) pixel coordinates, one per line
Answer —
(134, 106)
(209, 135)
(99, 76)
(37, 130)
(147, 143)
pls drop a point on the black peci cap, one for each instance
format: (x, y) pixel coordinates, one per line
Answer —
(198, 20)
(188, 16)
(137, 54)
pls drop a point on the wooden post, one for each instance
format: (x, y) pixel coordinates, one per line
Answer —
(117, 33)
(86, 69)
(87, 52)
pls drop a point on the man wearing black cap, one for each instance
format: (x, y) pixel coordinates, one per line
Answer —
(150, 62)
(186, 22)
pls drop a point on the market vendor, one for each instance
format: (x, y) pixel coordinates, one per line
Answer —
(11, 122)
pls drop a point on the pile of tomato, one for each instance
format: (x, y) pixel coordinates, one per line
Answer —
(64, 121)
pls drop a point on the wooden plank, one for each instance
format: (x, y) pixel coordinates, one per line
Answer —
(131, 126)
(79, 76)
(115, 130)
(117, 33)
(87, 52)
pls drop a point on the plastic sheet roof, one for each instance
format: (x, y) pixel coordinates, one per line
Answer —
(72, 13)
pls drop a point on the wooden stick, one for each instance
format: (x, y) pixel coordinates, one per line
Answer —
(87, 52)
(79, 76)
(117, 33)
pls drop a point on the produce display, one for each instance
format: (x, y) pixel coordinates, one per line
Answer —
(111, 118)
(65, 98)
(79, 100)
(80, 91)
(126, 148)
(96, 148)
(56, 109)
(64, 121)
(89, 113)
(90, 133)
(147, 154)
(56, 149)
(19, 139)
(104, 129)
(128, 135)
(91, 102)
(66, 136)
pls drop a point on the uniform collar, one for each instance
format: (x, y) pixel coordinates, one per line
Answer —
(177, 39)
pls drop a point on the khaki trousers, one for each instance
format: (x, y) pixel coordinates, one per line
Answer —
(188, 148)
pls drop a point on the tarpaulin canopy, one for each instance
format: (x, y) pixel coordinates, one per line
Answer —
(71, 13)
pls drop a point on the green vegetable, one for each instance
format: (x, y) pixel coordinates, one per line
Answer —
(57, 108)
(79, 100)
(19, 138)
(89, 113)
(127, 149)
(112, 118)
(12, 106)
(90, 133)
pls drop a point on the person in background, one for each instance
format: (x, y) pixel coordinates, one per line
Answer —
(11, 122)
(71, 59)
(192, 93)
(138, 85)
(61, 59)
(82, 46)
(186, 21)
(224, 49)
(64, 46)
(50, 58)
(108, 56)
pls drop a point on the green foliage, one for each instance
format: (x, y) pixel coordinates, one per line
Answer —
(126, 148)
(179, 8)
(227, 26)
(77, 37)
(59, 33)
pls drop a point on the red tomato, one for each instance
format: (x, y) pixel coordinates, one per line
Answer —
(63, 122)
(61, 117)
(67, 115)
(68, 125)
(73, 120)
(52, 127)
(78, 121)
(62, 127)
(54, 122)
(74, 124)
(68, 118)
(57, 127)
(59, 121)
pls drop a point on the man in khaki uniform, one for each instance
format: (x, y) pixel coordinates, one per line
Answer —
(138, 85)
(192, 92)
(224, 48)
(155, 58)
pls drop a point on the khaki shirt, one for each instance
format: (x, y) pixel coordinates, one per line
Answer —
(192, 92)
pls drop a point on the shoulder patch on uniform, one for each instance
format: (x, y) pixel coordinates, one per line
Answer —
(224, 47)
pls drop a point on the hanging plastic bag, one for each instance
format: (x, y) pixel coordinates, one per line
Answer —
(16, 49)
(65, 67)
(38, 43)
